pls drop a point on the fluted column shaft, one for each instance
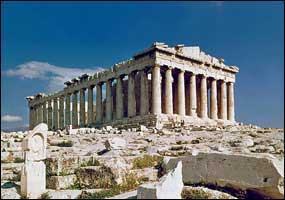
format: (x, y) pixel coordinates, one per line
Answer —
(55, 113)
(61, 112)
(193, 97)
(40, 114)
(67, 110)
(156, 90)
(109, 100)
(144, 98)
(214, 104)
(49, 115)
(90, 106)
(99, 103)
(131, 95)
(119, 99)
(168, 91)
(82, 118)
(231, 107)
(203, 99)
(45, 113)
(181, 94)
(75, 110)
(31, 125)
(223, 100)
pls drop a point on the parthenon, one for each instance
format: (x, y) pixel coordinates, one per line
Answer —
(160, 84)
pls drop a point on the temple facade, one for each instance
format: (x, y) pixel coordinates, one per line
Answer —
(160, 85)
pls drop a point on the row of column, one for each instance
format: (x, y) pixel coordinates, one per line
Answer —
(221, 100)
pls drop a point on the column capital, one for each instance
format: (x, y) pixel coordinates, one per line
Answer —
(75, 92)
(91, 86)
(169, 67)
(132, 73)
(121, 76)
(182, 71)
(100, 84)
(82, 89)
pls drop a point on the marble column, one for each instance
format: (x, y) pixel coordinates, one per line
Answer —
(82, 118)
(90, 105)
(213, 100)
(181, 93)
(168, 91)
(61, 112)
(40, 113)
(75, 110)
(193, 99)
(99, 110)
(131, 95)
(144, 98)
(67, 110)
(45, 112)
(109, 100)
(223, 100)
(156, 90)
(231, 107)
(203, 99)
(31, 123)
(119, 98)
(55, 113)
(49, 115)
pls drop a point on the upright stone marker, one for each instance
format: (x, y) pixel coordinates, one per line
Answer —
(33, 173)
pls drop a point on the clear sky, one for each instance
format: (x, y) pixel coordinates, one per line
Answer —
(45, 43)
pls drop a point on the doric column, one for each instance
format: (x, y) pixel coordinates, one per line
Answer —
(31, 123)
(90, 106)
(49, 115)
(156, 90)
(75, 110)
(67, 110)
(193, 99)
(214, 104)
(168, 91)
(181, 93)
(203, 99)
(82, 118)
(131, 95)
(55, 113)
(231, 106)
(40, 113)
(119, 99)
(109, 100)
(45, 112)
(144, 99)
(99, 103)
(223, 100)
(61, 112)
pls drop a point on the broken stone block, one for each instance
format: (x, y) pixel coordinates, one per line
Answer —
(169, 186)
(115, 143)
(57, 166)
(109, 128)
(147, 191)
(60, 182)
(260, 173)
(95, 177)
(143, 128)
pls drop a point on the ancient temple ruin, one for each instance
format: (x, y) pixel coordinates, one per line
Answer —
(159, 85)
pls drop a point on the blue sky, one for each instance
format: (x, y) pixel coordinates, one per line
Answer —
(44, 43)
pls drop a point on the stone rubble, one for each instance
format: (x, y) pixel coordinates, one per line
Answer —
(70, 157)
